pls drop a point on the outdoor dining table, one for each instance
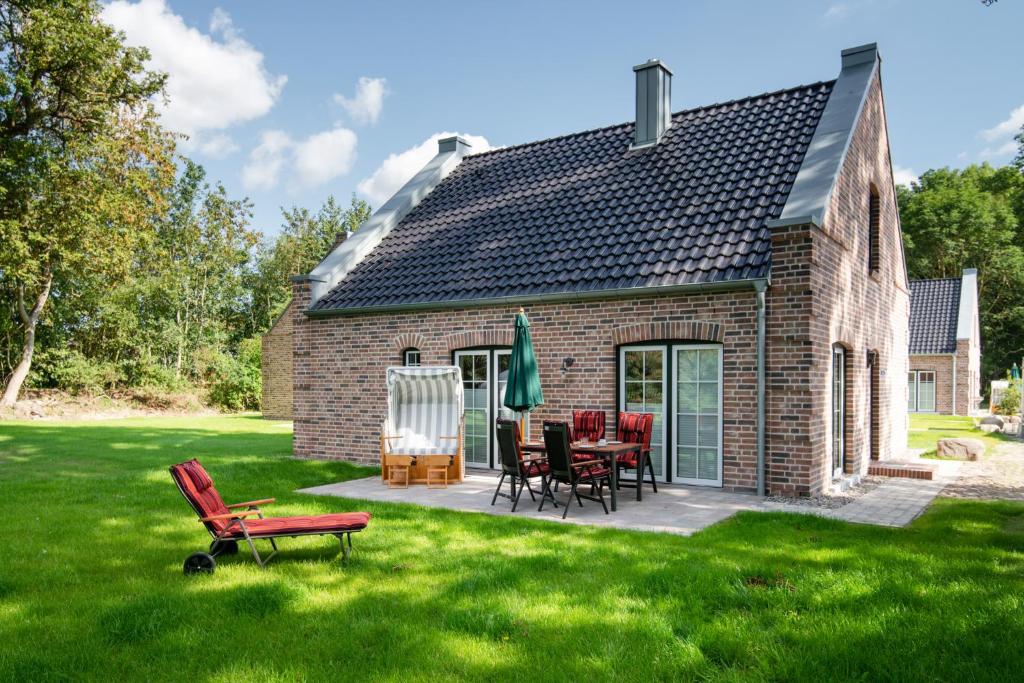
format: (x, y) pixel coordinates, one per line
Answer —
(609, 452)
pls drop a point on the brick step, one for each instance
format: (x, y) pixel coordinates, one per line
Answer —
(906, 470)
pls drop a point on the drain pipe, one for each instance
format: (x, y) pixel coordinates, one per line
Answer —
(760, 287)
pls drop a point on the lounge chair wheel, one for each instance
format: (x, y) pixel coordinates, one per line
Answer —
(218, 548)
(199, 563)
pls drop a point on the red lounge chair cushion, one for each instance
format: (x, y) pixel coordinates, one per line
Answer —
(200, 492)
(200, 479)
(282, 526)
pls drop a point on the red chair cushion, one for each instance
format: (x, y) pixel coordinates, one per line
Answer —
(282, 526)
(199, 491)
(587, 424)
(595, 471)
(635, 428)
(535, 469)
(197, 473)
(630, 460)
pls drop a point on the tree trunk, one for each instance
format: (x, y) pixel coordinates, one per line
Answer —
(29, 319)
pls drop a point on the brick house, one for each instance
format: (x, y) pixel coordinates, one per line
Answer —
(735, 269)
(945, 346)
(276, 367)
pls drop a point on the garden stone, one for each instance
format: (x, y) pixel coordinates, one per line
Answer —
(963, 448)
(992, 420)
(989, 427)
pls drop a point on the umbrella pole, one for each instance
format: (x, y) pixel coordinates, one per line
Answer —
(522, 427)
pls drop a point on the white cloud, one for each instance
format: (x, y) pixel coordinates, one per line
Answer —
(217, 146)
(313, 161)
(215, 80)
(398, 168)
(266, 160)
(325, 156)
(902, 175)
(366, 106)
(1006, 128)
(837, 11)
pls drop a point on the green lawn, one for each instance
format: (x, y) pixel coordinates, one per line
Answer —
(926, 430)
(95, 533)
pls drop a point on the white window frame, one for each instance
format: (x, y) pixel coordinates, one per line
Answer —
(665, 408)
(914, 391)
(838, 350)
(407, 358)
(675, 412)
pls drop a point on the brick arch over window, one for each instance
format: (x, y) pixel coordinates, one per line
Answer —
(409, 340)
(465, 340)
(691, 329)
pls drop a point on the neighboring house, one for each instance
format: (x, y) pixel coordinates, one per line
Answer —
(278, 367)
(945, 346)
(735, 269)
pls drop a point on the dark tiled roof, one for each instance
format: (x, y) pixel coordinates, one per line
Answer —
(934, 309)
(583, 213)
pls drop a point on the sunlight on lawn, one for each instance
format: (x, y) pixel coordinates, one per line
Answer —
(94, 588)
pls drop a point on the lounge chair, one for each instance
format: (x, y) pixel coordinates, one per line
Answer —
(421, 438)
(636, 428)
(229, 524)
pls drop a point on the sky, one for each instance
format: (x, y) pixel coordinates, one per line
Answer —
(288, 102)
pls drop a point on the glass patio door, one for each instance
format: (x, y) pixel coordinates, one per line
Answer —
(642, 390)
(697, 406)
(484, 378)
(921, 391)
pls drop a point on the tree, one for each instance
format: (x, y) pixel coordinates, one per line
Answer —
(974, 217)
(83, 159)
(1018, 161)
(304, 240)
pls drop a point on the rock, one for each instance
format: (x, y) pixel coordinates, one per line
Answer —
(1010, 419)
(988, 427)
(962, 448)
(993, 420)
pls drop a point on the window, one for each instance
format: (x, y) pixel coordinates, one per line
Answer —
(874, 218)
(411, 358)
(921, 391)
(838, 409)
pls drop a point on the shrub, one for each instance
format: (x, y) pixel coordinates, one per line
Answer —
(146, 372)
(237, 383)
(1009, 402)
(69, 370)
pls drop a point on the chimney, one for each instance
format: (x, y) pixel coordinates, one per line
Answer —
(653, 102)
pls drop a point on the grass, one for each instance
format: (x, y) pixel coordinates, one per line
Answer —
(95, 533)
(926, 430)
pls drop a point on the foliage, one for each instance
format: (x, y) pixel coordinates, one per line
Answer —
(304, 240)
(74, 373)
(974, 217)
(84, 159)
(1009, 402)
(236, 382)
(93, 588)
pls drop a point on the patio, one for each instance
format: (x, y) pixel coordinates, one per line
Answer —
(675, 509)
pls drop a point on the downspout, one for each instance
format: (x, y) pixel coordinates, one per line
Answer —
(760, 288)
(953, 391)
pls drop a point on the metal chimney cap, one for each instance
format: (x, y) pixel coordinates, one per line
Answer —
(651, 63)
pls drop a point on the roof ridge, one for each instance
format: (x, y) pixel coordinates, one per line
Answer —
(937, 279)
(703, 107)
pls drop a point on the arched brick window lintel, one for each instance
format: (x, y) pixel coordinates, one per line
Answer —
(409, 340)
(696, 330)
(473, 338)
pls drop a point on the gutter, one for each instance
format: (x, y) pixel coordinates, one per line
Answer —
(552, 297)
(760, 288)
(953, 388)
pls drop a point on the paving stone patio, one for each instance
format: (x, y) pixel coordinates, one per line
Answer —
(674, 509)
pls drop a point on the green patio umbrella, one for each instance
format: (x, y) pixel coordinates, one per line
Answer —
(523, 392)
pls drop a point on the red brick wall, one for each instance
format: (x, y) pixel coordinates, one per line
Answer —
(339, 381)
(942, 366)
(276, 365)
(823, 294)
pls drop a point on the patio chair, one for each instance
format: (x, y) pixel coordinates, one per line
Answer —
(229, 524)
(594, 473)
(421, 437)
(518, 469)
(636, 428)
(587, 425)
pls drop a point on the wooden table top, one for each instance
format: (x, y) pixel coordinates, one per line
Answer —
(586, 447)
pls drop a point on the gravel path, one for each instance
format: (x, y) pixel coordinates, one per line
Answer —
(999, 474)
(832, 501)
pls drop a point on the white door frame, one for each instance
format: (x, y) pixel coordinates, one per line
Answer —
(837, 471)
(675, 412)
(488, 355)
(664, 403)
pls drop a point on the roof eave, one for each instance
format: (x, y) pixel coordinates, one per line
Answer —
(554, 297)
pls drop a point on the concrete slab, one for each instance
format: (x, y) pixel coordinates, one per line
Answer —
(673, 509)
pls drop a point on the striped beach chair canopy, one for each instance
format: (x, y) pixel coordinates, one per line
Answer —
(424, 405)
